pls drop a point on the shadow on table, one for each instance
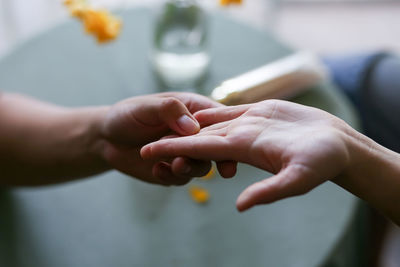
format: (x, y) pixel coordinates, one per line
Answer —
(8, 246)
(16, 247)
(353, 249)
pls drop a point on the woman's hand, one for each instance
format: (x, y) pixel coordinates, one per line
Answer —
(302, 146)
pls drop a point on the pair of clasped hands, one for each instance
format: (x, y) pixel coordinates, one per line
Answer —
(170, 138)
(300, 145)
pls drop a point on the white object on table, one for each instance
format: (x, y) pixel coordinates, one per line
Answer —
(283, 78)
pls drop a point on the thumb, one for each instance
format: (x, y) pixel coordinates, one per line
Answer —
(292, 181)
(176, 115)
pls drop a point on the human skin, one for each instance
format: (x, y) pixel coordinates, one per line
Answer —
(41, 143)
(302, 146)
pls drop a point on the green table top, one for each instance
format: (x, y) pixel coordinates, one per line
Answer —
(113, 220)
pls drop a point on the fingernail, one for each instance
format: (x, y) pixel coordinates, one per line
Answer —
(188, 125)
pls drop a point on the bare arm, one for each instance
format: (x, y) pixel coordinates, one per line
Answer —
(302, 146)
(42, 143)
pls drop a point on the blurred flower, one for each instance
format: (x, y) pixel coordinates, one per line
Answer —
(97, 22)
(199, 194)
(228, 2)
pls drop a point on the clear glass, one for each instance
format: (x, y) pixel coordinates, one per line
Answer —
(180, 56)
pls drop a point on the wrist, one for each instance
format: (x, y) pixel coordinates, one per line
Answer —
(359, 148)
(95, 140)
(372, 173)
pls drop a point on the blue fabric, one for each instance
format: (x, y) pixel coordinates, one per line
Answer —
(349, 72)
(372, 82)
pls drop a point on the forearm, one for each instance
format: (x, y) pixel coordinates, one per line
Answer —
(373, 174)
(43, 144)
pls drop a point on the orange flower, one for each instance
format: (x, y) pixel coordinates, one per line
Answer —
(228, 2)
(199, 194)
(99, 23)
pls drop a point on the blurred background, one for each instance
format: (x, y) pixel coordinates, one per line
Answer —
(324, 26)
(327, 27)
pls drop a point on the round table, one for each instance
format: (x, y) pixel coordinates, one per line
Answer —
(114, 220)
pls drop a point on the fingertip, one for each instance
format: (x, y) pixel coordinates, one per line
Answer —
(243, 202)
(255, 194)
(227, 169)
(202, 116)
(189, 167)
(241, 208)
(159, 169)
(188, 125)
(181, 166)
(164, 173)
(145, 152)
(177, 116)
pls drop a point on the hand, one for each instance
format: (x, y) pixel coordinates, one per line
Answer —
(302, 146)
(130, 124)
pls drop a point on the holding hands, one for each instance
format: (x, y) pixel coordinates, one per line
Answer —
(132, 123)
(302, 146)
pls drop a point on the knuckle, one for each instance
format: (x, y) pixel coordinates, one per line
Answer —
(169, 105)
(170, 102)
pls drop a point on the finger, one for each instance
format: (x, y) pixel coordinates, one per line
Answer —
(164, 173)
(227, 169)
(194, 102)
(197, 147)
(215, 115)
(176, 115)
(189, 168)
(292, 181)
(216, 128)
(219, 129)
(169, 136)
